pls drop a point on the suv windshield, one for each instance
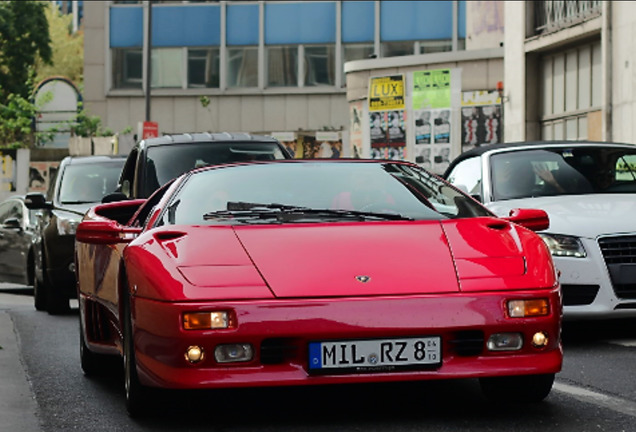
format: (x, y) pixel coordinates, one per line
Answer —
(165, 162)
(88, 183)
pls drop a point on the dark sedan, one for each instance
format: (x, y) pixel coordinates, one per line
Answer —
(16, 234)
(80, 183)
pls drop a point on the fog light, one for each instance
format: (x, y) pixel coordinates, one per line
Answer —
(206, 320)
(229, 353)
(194, 354)
(505, 342)
(528, 308)
(540, 340)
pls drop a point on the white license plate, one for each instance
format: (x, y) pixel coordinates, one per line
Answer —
(375, 354)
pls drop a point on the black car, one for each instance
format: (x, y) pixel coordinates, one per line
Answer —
(80, 183)
(17, 226)
(155, 161)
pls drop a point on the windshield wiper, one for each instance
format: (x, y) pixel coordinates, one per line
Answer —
(241, 209)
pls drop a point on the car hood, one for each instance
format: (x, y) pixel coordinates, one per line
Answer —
(580, 215)
(344, 259)
(78, 209)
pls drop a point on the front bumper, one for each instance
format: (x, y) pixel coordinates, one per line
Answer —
(281, 330)
(587, 287)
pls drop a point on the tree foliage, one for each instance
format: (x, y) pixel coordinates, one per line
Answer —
(67, 49)
(24, 35)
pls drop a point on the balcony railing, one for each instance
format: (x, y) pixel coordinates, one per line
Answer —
(551, 16)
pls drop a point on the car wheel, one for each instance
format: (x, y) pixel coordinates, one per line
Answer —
(517, 389)
(137, 395)
(39, 294)
(57, 303)
(93, 364)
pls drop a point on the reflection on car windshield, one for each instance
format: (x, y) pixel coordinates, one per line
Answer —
(311, 191)
(166, 162)
(563, 171)
(88, 183)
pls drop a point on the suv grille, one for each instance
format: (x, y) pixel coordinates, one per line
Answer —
(620, 257)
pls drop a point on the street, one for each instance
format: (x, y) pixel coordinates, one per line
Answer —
(594, 392)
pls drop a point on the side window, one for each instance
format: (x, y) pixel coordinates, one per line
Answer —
(467, 176)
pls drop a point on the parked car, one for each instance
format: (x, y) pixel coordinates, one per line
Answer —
(16, 234)
(588, 190)
(154, 161)
(80, 182)
(316, 272)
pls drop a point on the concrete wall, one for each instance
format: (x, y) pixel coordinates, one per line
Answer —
(623, 72)
(515, 72)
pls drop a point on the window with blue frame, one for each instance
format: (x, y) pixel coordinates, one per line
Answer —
(242, 36)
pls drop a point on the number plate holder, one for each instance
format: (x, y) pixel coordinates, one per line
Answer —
(375, 355)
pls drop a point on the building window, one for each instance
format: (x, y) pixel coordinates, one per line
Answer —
(394, 49)
(320, 65)
(127, 68)
(282, 66)
(571, 92)
(242, 67)
(167, 68)
(203, 68)
(435, 46)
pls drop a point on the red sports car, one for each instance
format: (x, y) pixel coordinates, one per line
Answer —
(317, 272)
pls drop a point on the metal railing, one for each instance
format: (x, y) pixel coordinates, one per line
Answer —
(551, 16)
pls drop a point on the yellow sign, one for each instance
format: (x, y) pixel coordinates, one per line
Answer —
(386, 93)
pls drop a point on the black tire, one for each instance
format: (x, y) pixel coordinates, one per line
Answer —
(39, 294)
(57, 303)
(93, 364)
(138, 397)
(517, 389)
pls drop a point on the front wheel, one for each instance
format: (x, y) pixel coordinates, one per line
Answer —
(39, 294)
(93, 364)
(137, 395)
(517, 389)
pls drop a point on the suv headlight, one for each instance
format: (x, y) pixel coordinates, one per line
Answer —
(67, 225)
(564, 246)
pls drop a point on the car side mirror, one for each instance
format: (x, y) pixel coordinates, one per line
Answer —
(35, 201)
(533, 219)
(12, 223)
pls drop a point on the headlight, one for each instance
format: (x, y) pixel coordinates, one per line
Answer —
(563, 245)
(67, 225)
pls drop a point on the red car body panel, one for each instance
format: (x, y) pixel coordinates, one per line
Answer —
(441, 278)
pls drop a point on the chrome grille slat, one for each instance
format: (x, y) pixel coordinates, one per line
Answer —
(619, 253)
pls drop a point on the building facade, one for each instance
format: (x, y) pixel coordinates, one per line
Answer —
(252, 66)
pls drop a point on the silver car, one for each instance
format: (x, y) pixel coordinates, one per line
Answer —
(588, 190)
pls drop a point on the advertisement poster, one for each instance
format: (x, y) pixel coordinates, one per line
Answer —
(8, 180)
(432, 89)
(386, 93)
(356, 138)
(388, 134)
(330, 145)
(289, 140)
(40, 175)
(433, 118)
(481, 119)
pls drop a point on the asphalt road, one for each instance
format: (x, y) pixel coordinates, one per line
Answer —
(594, 392)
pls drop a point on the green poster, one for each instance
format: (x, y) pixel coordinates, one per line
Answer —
(431, 89)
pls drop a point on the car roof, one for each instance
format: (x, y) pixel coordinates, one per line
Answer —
(76, 160)
(199, 137)
(478, 151)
